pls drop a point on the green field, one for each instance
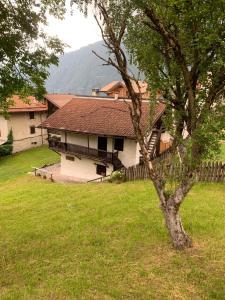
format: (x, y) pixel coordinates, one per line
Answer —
(103, 241)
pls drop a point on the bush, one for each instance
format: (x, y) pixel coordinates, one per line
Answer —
(7, 147)
(117, 176)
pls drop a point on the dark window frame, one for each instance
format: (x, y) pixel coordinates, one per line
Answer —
(70, 158)
(32, 129)
(100, 170)
(119, 144)
(31, 115)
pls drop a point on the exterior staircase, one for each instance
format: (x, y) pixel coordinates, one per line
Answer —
(152, 142)
(117, 164)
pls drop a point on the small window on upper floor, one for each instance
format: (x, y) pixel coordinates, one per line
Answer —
(119, 144)
(31, 115)
(32, 130)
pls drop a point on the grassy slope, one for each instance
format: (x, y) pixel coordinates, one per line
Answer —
(222, 154)
(106, 241)
(21, 163)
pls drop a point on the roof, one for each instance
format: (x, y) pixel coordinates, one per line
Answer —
(29, 104)
(111, 86)
(59, 100)
(99, 117)
(114, 84)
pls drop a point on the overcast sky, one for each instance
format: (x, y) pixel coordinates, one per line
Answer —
(75, 30)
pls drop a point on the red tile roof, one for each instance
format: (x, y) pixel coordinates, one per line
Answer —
(59, 100)
(100, 117)
(29, 104)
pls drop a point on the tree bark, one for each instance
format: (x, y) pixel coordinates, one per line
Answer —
(179, 237)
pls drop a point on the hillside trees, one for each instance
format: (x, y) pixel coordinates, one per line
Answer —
(25, 49)
(180, 47)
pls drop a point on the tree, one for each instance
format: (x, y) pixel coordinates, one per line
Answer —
(25, 50)
(180, 47)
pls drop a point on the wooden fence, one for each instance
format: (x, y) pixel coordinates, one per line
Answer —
(207, 172)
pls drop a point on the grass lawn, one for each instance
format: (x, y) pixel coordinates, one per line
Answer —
(21, 163)
(104, 241)
(222, 153)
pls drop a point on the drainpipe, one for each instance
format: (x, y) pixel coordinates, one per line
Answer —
(42, 139)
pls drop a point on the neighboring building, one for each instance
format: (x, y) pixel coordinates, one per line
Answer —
(117, 89)
(97, 136)
(56, 101)
(23, 118)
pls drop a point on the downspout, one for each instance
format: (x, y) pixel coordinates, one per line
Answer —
(42, 139)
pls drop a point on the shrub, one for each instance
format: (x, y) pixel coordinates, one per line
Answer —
(7, 147)
(117, 176)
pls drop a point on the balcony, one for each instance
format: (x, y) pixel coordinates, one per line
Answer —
(95, 154)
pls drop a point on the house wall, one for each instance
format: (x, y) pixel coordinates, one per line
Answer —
(130, 154)
(121, 91)
(83, 169)
(20, 124)
(165, 141)
(3, 129)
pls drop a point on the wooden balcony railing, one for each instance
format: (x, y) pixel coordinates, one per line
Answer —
(101, 155)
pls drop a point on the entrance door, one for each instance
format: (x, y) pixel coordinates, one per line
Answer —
(102, 146)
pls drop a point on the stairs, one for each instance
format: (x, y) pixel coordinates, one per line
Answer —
(117, 164)
(153, 140)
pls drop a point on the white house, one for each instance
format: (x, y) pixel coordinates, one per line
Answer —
(97, 136)
(23, 118)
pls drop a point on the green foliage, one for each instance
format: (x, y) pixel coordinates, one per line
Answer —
(10, 137)
(117, 176)
(7, 147)
(25, 50)
(180, 48)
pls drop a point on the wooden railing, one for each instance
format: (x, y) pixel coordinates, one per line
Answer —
(102, 155)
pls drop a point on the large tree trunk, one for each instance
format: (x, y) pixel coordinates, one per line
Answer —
(179, 237)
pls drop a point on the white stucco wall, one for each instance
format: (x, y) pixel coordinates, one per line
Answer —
(3, 129)
(83, 169)
(20, 124)
(86, 168)
(130, 154)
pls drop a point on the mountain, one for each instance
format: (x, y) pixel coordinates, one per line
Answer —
(80, 71)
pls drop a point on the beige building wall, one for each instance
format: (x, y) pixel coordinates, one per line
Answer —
(23, 138)
(83, 169)
(3, 129)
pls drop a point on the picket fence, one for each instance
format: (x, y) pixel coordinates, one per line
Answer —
(207, 172)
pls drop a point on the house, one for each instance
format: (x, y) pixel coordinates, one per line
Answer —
(23, 118)
(97, 136)
(117, 89)
(56, 101)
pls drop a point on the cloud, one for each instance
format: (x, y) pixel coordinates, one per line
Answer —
(76, 30)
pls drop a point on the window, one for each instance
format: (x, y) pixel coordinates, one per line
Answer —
(68, 157)
(32, 129)
(101, 170)
(118, 144)
(31, 115)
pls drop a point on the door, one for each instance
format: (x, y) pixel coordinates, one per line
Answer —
(102, 146)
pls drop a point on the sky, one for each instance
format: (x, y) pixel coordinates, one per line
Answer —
(75, 30)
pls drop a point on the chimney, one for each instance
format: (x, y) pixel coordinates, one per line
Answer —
(95, 92)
